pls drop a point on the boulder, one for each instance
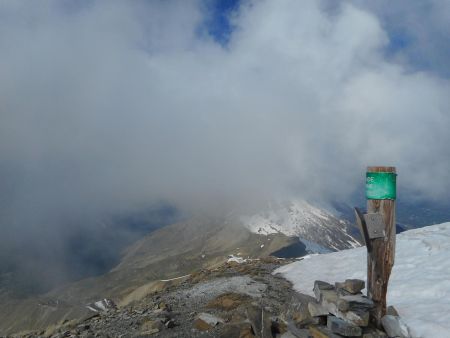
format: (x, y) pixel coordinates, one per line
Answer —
(358, 316)
(301, 333)
(392, 311)
(210, 319)
(170, 324)
(322, 332)
(201, 325)
(354, 302)
(320, 286)
(337, 325)
(260, 320)
(373, 333)
(278, 326)
(352, 286)
(395, 327)
(316, 309)
(243, 330)
(247, 332)
(151, 327)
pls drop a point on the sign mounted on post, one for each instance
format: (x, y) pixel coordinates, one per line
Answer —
(381, 186)
(379, 224)
(375, 225)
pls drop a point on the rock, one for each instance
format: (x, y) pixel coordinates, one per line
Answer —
(392, 311)
(301, 316)
(322, 332)
(278, 326)
(247, 332)
(146, 333)
(287, 334)
(395, 327)
(228, 301)
(103, 305)
(260, 320)
(150, 325)
(354, 302)
(163, 306)
(320, 286)
(337, 325)
(303, 333)
(238, 330)
(373, 333)
(357, 317)
(206, 321)
(353, 286)
(316, 309)
(170, 324)
(201, 325)
(330, 296)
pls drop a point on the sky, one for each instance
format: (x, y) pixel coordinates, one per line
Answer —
(110, 106)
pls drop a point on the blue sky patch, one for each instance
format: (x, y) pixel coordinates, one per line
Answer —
(218, 24)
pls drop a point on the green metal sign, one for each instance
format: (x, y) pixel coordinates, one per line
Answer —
(381, 186)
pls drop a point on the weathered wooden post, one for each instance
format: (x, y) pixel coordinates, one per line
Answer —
(378, 229)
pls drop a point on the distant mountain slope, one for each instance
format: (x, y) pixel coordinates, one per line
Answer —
(168, 252)
(178, 249)
(316, 227)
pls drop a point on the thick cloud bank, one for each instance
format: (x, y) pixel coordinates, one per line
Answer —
(107, 106)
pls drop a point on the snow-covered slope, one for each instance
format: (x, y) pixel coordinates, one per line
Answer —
(315, 226)
(419, 287)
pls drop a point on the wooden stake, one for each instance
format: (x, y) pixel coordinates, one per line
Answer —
(381, 258)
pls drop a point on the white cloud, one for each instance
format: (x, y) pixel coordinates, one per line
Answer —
(119, 104)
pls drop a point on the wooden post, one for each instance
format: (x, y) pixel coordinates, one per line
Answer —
(380, 258)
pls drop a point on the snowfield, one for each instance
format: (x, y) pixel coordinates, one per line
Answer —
(419, 286)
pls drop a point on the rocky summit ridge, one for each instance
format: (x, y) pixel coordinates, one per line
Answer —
(237, 299)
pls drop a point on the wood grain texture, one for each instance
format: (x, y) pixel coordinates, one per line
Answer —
(381, 258)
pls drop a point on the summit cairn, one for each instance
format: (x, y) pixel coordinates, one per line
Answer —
(341, 310)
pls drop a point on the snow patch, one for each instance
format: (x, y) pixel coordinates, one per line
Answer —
(236, 259)
(419, 286)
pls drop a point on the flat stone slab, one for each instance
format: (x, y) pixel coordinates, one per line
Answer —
(339, 326)
(210, 319)
(354, 302)
(316, 309)
(353, 286)
(322, 332)
(373, 333)
(320, 286)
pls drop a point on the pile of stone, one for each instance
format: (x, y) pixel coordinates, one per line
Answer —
(341, 310)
